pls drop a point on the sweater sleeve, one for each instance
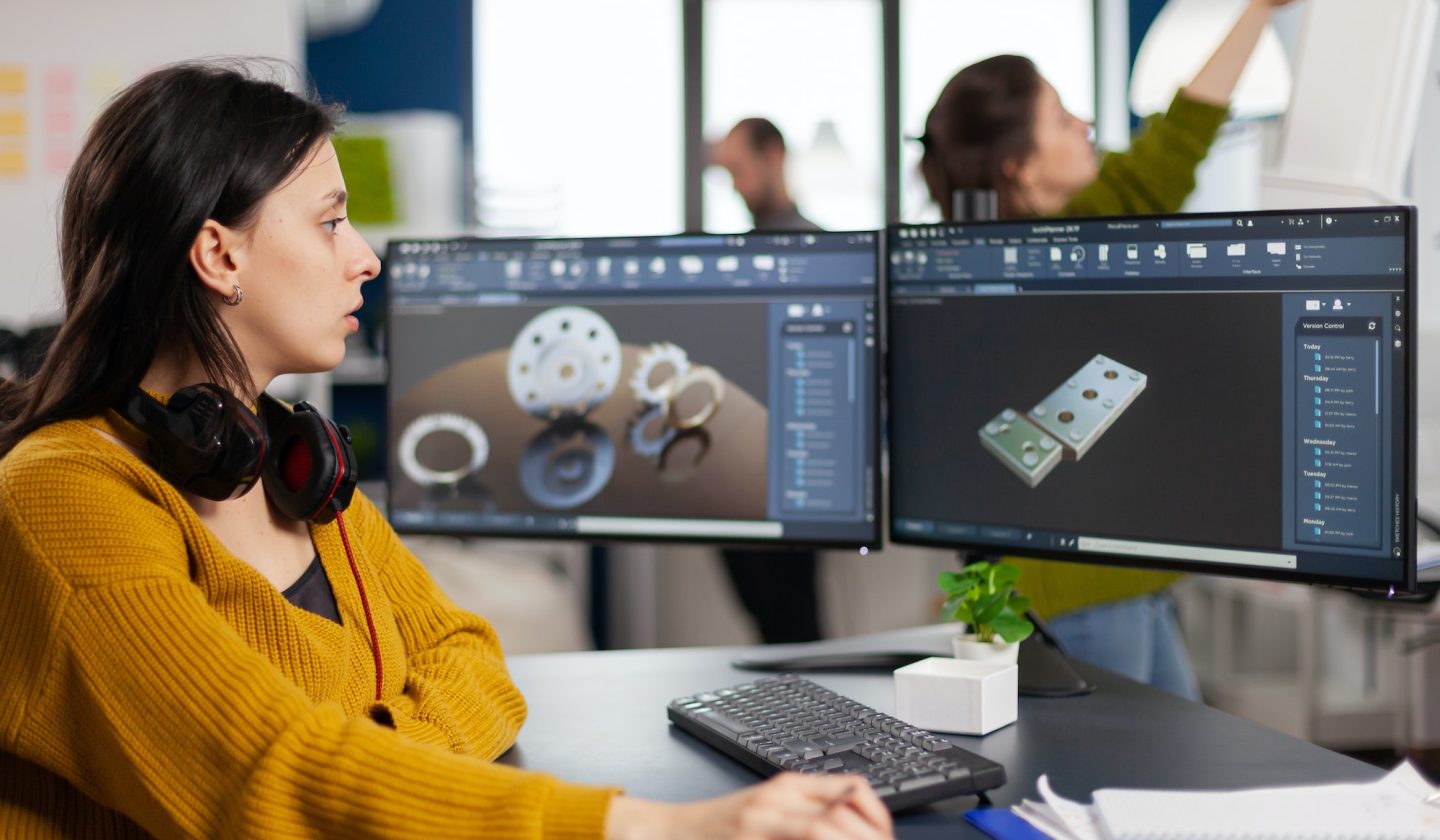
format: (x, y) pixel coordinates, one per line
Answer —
(148, 702)
(458, 693)
(1157, 172)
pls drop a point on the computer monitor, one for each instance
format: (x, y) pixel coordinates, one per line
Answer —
(1230, 394)
(716, 388)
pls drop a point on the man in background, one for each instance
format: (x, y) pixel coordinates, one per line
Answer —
(777, 588)
(754, 154)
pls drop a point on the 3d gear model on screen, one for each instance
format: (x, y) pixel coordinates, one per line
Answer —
(422, 427)
(662, 375)
(564, 362)
(667, 361)
(1067, 423)
(567, 464)
(650, 431)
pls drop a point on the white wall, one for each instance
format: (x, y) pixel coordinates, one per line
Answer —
(60, 61)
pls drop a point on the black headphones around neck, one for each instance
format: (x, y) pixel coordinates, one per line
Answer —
(206, 441)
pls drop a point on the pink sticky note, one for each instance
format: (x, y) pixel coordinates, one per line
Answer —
(60, 81)
(59, 120)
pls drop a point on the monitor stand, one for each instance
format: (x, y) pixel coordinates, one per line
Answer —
(1045, 669)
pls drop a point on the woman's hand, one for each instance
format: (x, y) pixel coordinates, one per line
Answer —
(791, 805)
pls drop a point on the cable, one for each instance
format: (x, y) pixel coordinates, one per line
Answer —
(364, 602)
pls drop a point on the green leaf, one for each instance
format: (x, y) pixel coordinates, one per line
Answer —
(978, 568)
(1019, 604)
(1013, 628)
(988, 607)
(950, 582)
(1006, 574)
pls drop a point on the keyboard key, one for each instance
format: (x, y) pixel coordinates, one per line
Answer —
(921, 781)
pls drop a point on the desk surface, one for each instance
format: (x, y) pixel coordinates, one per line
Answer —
(599, 718)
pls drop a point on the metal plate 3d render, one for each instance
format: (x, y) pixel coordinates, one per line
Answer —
(1077, 413)
(1027, 451)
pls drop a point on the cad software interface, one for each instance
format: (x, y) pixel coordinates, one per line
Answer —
(1201, 391)
(705, 387)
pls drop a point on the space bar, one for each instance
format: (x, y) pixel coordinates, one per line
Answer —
(722, 723)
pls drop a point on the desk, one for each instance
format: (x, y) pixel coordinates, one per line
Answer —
(599, 718)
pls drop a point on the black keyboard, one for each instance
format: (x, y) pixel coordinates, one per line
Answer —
(789, 723)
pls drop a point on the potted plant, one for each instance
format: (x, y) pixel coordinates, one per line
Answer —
(982, 596)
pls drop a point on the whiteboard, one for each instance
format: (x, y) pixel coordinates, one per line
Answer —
(60, 61)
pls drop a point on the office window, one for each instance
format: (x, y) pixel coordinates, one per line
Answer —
(938, 37)
(813, 68)
(578, 117)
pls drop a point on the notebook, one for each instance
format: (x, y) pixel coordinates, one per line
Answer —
(1392, 808)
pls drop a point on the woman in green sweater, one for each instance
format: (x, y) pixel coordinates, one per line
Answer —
(999, 125)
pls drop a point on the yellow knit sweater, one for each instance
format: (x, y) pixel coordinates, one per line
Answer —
(152, 682)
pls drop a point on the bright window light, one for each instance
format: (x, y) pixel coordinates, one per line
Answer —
(578, 117)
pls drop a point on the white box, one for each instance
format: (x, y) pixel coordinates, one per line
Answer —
(956, 695)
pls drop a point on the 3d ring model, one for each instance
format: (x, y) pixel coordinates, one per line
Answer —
(697, 376)
(564, 361)
(672, 474)
(427, 424)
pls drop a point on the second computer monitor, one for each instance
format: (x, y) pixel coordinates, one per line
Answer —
(1222, 393)
(718, 388)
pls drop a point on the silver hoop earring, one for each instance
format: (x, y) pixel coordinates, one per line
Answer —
(234, 300)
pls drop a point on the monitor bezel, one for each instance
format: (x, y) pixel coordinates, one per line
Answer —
(1411, 397)
(876, 438)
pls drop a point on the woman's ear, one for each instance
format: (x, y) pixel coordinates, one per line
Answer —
(1014, 171)
(212, 255)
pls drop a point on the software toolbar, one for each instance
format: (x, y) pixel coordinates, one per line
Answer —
(457, 270)
(1004, 259)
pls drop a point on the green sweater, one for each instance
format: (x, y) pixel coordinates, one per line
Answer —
(1153, 176)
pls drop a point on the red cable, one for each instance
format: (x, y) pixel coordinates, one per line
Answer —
(365, 602)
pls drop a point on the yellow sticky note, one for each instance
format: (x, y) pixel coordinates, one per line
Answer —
(105, 81)
(12, 78)
(12, 162)
(12, 122)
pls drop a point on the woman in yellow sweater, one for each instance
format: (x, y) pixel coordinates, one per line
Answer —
(182, 658)
(999, 125)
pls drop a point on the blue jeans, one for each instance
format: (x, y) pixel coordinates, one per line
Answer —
(1137, 638)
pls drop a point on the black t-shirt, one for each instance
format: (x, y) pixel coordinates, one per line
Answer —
(313, 592)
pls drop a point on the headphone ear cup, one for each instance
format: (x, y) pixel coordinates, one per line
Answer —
(309, 471)
(204, 440)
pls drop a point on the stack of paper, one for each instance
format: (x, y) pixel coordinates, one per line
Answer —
(1393, 807)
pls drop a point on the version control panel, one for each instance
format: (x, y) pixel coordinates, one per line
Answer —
(1339, 380)
(818, 387)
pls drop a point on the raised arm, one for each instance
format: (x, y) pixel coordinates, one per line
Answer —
(1215, 83)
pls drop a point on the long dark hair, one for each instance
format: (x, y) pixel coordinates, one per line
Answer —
(985, 116)
(184, 144)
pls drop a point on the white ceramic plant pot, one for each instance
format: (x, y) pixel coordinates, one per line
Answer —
(972, 649)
